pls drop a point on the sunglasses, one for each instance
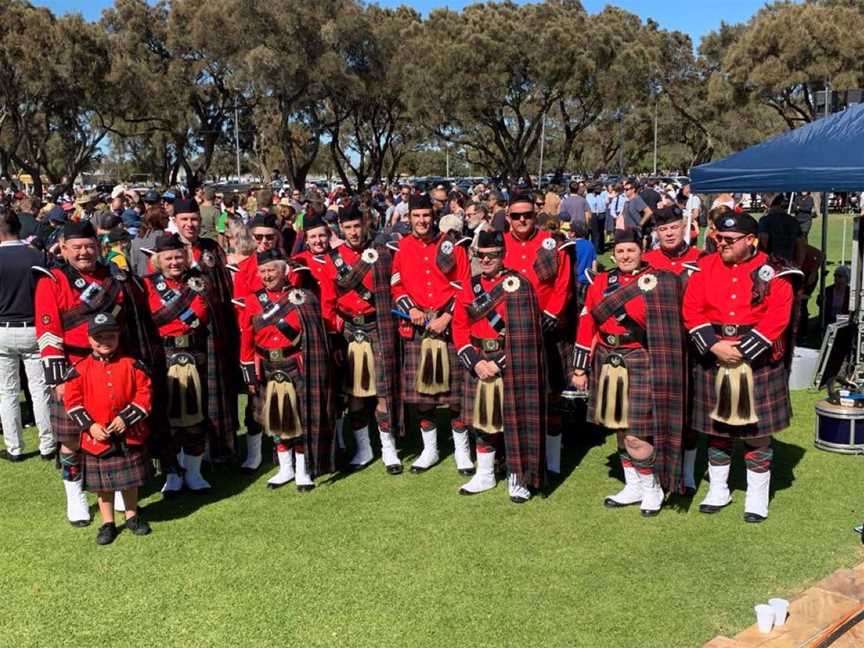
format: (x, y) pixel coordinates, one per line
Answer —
(522, 216)
(264, 237)
(728, 240)
(490, 256)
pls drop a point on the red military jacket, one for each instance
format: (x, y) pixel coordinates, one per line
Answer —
(464, 329)
(721, 295)
(60, 344)
(675, 263)
(283, 334)
(318, 270)
(419, 282)
(161, 289)
(520, 256)
(245, 278)
(351, 303)
(99, 389)
(588, 333)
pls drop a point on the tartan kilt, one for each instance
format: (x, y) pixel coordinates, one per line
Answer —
(119, 472)
(381, 384)
(290, 367)
(410, 367)
(559, 355)
(64, 429)
(771, 401)
(469, 387)
(639, 396)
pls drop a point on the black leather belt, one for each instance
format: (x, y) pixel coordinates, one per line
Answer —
(276, 355)
(620, 339)
(16, 324)
(732, 330)
(359, 320)
(489, 345)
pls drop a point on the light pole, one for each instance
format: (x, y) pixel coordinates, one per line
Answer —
(237, 137)
(542, 142)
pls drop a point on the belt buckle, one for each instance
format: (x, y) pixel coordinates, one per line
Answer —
(276, 354)
(730, 330)
(613, 340)
(490, 345)
(358, 319)
(181, 341)
(359, 336)
(615, 359)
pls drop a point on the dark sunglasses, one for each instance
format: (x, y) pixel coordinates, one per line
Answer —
(264, 237)
(522, 216)
(728, 240)
(490, 256)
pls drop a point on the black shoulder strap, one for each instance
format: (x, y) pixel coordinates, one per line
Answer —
(273, 314)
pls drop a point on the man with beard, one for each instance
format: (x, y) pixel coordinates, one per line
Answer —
(206, 256)
(678, 257)
(360, 272)
(738, 309)
(71, 293)
(284, 357)
(540, 259)
(429, 270)
(179, 299)
(496, 330)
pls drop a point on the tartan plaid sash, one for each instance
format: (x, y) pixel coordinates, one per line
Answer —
(274, 313)
(174, 303)
(444, 255)
(387, 359)
(484, 304)
(106, 295)
(350, 278)
(546, 263)
(525, 415)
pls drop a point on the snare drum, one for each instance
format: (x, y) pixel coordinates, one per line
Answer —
(839, 428)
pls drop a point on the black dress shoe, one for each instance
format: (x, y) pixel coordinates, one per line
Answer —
(5, 454)
(712, 508)
(611, 503)
(107, 534)
(466, 472)
(48, 457)
(138, 526)
(754, 518)
(249, 471)
(275, 486)
(80, 524)
(689, 492)
(416, 470)
(394, 469)
(649, 514)
(305, 488)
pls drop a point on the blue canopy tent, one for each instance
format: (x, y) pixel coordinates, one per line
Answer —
(825, 155)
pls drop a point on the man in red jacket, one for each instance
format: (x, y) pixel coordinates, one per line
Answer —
(738, 309)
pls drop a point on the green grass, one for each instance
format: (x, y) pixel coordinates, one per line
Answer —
(375, 560)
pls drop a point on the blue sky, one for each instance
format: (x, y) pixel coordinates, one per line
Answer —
(694, 17)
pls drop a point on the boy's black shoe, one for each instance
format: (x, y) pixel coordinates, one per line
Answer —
(138, 526)
(107, 534)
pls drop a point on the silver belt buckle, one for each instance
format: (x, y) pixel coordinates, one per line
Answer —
(490, 345)
(182, 341)
(730, 330)
(613, 340)
(358, 319)
(276, 354)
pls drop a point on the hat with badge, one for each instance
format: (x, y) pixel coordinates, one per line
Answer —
(78, 229)
(666, 215)
(741, 222)
(490, 239)
(263, 219)
(269, 255)
(311, 221)
(628, 236)
(168, 242)
(101, 323)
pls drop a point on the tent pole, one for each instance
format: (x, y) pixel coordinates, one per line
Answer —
(824, 269)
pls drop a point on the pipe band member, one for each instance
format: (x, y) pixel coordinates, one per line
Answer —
(285, 363)
(738, 310)
(629, 345)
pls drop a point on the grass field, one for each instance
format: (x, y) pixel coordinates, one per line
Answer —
(375, 560)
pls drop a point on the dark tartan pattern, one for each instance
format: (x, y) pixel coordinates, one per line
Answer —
(64, 429)
(546, 264)
(771, 401)
(559, 355)
(410, 366)
(119, 472)
(639, 399)
(525, 408)
(469, 387)
(221, 365)
(387, 358)
(665, 336)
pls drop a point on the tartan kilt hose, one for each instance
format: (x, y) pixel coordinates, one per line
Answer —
(64, 429)
(290, 367)
(410, 367)
(639, 396)
(771, 401)
(468, 387)
(119, 472)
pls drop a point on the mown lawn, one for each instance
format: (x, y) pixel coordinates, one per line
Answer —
(375, 560)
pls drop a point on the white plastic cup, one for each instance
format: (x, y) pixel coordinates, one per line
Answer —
(781, 609)
(764, 618)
